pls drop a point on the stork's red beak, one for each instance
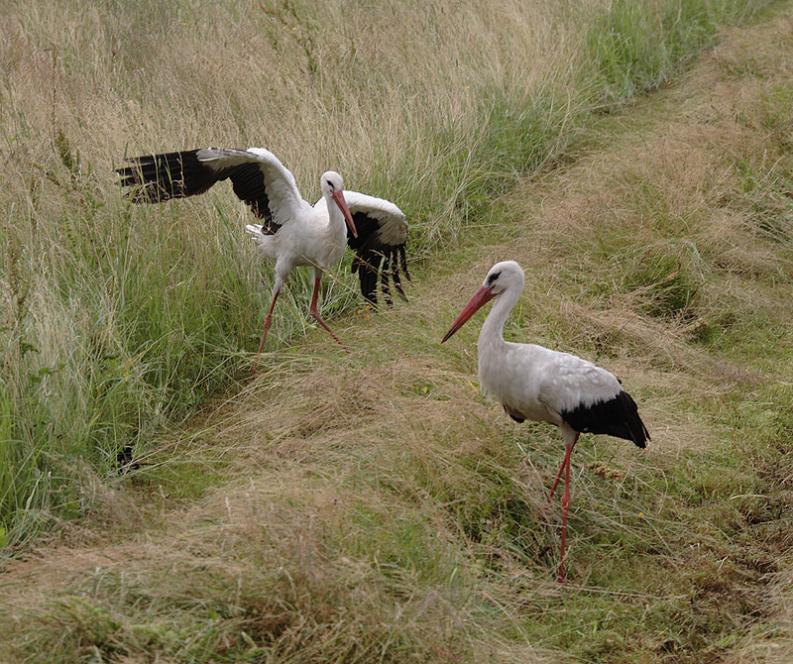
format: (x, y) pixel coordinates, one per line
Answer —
(338, 196)
(480, 298)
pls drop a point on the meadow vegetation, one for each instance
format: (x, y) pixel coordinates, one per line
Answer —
(371, 506)
(118, 320)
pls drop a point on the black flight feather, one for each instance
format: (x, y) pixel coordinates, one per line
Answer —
(618, 416)
(162, 177)
(374, 258)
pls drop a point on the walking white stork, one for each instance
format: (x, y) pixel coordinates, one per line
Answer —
(535, 383)
(293, 232)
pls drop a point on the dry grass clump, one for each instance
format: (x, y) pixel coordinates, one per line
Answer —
(678, 235)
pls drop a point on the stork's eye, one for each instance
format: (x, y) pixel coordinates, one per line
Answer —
(492, 278)
(330, 184)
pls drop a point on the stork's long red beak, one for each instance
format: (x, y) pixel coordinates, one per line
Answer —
(480, 298)
(338, 196)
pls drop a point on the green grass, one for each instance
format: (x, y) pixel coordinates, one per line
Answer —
(634, 50)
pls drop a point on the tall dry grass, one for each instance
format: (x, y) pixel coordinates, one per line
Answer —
(116, 320)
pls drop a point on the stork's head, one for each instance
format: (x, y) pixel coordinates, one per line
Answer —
(332, 187)
(502, 277)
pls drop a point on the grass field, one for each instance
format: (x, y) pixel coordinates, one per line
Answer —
(102, 346)
(372, 506)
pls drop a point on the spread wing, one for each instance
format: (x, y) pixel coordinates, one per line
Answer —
(257, 177)
(380, 245)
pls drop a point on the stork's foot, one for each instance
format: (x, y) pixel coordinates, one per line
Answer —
(326, 327)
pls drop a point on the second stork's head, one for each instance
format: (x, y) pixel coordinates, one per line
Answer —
(502, 277)
(332, 187)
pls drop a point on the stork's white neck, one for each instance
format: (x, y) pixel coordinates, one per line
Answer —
(493, 329)
(334, 213)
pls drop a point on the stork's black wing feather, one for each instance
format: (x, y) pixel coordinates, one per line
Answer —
(161, 177)
(618, 416)
(247, 180)
(380, 246)
(255, 175)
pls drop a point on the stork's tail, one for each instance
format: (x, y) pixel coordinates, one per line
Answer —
(638, 432)
(255, 231)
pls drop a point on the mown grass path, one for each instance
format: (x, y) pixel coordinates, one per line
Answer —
(371, 506)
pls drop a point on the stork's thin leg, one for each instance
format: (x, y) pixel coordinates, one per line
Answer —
(556, 481)
(315, 311)
(560, 577)
(268, 319)
(561, 468)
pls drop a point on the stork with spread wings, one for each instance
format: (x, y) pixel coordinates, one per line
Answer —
(292, 231)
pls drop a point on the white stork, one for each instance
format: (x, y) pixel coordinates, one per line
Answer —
(294, 232)
(535, 383)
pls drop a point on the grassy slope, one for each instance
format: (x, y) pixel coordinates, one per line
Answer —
(381, 510)
(101, 348)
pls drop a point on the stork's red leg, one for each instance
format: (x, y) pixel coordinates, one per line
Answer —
(561, 468)
(268, 319)
(565, 504)
(556, 481)
(315, 311)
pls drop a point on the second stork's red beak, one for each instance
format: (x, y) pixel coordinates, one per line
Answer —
(338, 196)
(480, 298)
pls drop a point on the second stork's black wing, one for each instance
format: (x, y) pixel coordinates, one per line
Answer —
(380, 245)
